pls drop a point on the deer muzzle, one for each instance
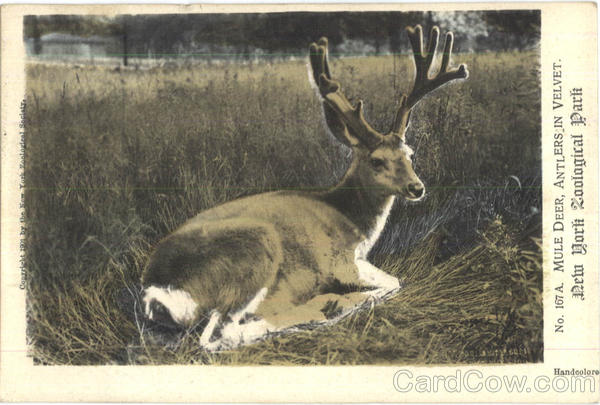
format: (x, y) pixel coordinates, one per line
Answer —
(415, 191)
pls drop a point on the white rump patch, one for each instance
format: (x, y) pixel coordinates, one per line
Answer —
(364, 247)
(179, 303)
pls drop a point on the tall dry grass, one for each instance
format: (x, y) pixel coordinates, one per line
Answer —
(118, 159)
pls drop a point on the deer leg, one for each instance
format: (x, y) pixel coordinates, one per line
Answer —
(280, 312)
(242, 327)
(252, 306)
(209, 329)
(336, 306)
(320, 310)
(370, 276)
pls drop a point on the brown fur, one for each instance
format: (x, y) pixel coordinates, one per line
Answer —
(301, 246)
(298, 245)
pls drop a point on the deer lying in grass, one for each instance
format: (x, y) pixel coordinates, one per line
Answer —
(272, 261)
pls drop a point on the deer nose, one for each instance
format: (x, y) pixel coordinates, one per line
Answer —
(416, 190)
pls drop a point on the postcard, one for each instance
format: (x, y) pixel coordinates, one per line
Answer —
(300, 203)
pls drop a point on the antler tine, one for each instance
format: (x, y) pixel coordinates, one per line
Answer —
(423, 84)
(447, 51)
(434, 37)
(320, 65)
(324, 44)
(347, 123)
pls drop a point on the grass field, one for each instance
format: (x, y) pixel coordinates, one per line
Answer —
(118, 159)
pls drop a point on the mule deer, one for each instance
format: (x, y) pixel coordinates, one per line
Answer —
(276, 260)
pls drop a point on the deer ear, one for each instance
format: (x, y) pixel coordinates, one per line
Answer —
(353, 141)
(407, 121)
(400, 138)
(337, 128)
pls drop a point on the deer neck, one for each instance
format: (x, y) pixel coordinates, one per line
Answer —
(365, 205)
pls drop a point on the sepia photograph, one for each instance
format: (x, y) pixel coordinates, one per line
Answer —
(283, 188)
(309, 203)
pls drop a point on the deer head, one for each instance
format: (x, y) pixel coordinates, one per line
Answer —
(383, 161)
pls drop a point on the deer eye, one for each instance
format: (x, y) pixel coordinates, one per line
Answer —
(377, 163)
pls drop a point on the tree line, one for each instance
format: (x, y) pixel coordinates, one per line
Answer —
(245, 34)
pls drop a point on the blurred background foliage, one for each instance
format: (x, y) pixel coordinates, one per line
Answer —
(244, 35)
